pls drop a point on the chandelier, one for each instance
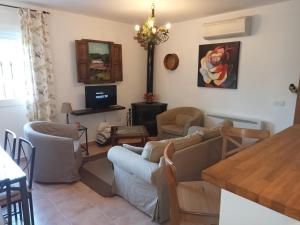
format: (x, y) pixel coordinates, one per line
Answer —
(151, 34)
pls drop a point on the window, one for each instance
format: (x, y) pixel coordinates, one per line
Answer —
(12, 82)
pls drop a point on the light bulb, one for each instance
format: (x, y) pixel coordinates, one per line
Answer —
(151, 22)
(154, 30)
(137, 27)
(168, 26)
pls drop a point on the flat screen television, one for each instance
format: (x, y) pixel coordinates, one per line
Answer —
(97, 97)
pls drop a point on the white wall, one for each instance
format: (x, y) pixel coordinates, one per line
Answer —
(236, 210)
(268, 64)
(64, 29)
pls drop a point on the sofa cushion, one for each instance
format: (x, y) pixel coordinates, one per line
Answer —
(182, 119)
(208, 133)
(173, 129)
(215, 131)
(184, 142)
(153, 150)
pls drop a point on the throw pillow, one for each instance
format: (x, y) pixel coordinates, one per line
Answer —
(153, 150)
(213, 132)
(208, 133)
(182, 119)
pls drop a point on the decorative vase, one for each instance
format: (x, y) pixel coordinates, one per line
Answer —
(149, 97)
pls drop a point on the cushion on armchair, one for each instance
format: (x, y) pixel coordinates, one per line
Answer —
(183, 119)
(135, 149)
(208, 133)
(173, 129)
(153, 150)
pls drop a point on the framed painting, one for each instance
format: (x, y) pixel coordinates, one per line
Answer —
(218, 65)
(99, 55)
(98, 61)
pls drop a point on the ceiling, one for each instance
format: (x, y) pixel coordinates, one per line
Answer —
(136, 11)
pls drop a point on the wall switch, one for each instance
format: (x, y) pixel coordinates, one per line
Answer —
(279, 103)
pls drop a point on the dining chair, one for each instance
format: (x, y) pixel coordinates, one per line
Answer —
(233, 137)
(10, 140)
(5, 188)
(193, 202)
(25, 159)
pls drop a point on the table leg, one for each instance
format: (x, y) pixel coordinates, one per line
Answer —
(144, 140)
(113, 141)
(86, 143)
(24, 197)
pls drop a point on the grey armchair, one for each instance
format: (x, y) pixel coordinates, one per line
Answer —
(139, 174)
(176, 122)
(58, 152)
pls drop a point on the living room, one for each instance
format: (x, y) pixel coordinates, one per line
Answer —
(268, 64)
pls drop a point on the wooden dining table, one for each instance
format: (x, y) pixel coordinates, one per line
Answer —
(10, 170)
(267, 174)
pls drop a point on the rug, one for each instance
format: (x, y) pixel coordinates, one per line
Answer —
(97, 173)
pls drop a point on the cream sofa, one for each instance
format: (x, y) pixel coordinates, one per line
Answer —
(58, 152)
(139, 172)
(176, 122)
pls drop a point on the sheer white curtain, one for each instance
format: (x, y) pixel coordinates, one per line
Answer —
(40, 101)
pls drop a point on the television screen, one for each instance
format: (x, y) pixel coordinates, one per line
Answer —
(100, 96)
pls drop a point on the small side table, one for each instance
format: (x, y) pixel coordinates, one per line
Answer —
(128, 132)
(83, 131)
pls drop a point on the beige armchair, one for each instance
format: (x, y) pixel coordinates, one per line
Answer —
(176, 122)
(58, 151)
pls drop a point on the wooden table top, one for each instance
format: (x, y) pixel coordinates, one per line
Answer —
(129, 131)
(9, 169)
(267, 173)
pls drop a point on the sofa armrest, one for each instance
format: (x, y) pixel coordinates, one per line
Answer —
(132, 163)
(67, 130)
(137, 150)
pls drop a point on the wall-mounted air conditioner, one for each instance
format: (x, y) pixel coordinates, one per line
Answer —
(227, 28)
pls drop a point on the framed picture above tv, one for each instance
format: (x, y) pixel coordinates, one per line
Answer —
(98, 61)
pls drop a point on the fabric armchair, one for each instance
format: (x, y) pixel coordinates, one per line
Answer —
(58, 151)
(176, 122)
(139, 173)
(141, 168)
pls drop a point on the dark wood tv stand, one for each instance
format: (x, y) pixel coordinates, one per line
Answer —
(81, 112)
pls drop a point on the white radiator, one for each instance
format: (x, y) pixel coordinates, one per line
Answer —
(213, 119)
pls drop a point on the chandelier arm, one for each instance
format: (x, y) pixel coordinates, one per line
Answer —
(148, 34)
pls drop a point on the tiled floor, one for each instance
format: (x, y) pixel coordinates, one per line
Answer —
(67, 204)
(77, 204)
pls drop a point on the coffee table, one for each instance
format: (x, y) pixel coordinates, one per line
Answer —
(128, 132)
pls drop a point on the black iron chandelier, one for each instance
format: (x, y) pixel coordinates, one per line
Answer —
(150, 33)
